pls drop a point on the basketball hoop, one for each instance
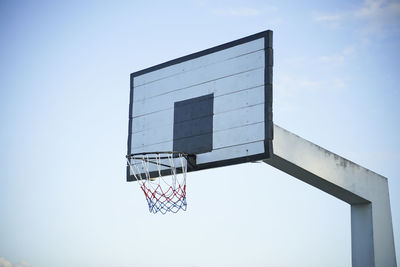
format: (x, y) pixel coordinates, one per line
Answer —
(162, 177)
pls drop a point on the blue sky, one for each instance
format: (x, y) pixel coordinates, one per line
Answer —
(64, 95)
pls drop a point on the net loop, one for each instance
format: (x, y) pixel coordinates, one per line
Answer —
(162, 178)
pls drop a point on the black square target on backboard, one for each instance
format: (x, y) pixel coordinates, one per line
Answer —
(193, 125)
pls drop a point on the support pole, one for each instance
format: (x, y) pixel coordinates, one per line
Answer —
(367, 193)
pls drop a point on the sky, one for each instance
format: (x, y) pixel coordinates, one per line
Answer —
(64, 96)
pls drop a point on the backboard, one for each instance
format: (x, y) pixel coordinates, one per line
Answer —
(215, 104)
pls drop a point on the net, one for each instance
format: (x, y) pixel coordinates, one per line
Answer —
(162, 177)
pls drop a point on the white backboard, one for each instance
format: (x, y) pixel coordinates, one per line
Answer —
(215, 104)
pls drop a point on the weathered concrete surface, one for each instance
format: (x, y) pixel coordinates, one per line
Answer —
(366, 192)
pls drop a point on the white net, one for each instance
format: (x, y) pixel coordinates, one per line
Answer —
(162, 177)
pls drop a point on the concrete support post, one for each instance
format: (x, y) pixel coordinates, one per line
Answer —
(362, 244)
(366, 192)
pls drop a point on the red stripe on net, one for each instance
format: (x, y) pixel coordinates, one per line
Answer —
(171, 200)
(160, 195)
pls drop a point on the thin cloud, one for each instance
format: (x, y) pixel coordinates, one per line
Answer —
(350, 50)
(334, 59)
(339, 58)
(6, 263)
(329, 18)
(236, 12)
(332, 20)
(379, 16)
(290, 85)
(243, 11)
(295, 87)
(379, 9)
